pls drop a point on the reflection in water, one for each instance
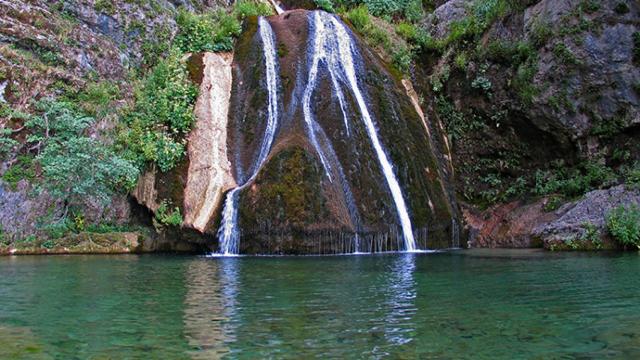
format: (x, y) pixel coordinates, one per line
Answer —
(210, 304)
(463, 304)
(401, 295)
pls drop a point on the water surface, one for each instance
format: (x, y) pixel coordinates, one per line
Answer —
(465, 304)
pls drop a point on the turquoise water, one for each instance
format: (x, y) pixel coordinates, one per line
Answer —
(465, 304)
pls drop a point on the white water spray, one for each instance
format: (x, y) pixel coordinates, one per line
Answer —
(333, 46)
(279, 9)
(228, 234)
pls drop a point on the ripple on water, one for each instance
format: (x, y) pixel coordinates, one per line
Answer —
(488, 304)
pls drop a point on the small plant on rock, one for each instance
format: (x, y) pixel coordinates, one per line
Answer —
(166, 216)
(623, 223)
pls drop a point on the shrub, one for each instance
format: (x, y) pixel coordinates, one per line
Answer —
(96, 98)
(7, 144)
(590, 6)
(623, 223)
(22, 169)
(407, 30)
(565, 55)
(75, 167)
(81, 168)
(632, 176)
(162, 115)
(540, 34)
(402, 59)
(523, 82)
(245, 8)
(166, 216)
(207, 32)
(105, 6)
(383, 7)
(359, 18)
(325, 5)
(573, 182)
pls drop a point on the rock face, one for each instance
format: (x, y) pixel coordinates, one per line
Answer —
(573, 218)
(522, 225)
(548, 83)
(209, 174)
(50, 47)
(507, 226)
(314, 195)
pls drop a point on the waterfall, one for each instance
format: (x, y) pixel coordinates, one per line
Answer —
(228, 234)
(279, 9)
(333, 46)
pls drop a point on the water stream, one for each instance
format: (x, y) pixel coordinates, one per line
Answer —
(333, 46)
(229, 234)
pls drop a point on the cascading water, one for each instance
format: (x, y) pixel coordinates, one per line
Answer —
(333, 46)
(228, 234)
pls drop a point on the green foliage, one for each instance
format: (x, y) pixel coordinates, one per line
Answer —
(359, 18)
(541, 32)
(161, 117)
(245, 8)
(402, 59)
(407, 30)
(326, 5)
(461, 60)
(382, 7)
(632, 176)
(78, 168)
(207, 32)
(7, 144)
(457, 124)
(553, 203)
(523, 82)
(592, 235)
(22, 169)
(623, 223)
(483, 14)
(168, 217)
(105, 6)
(96, 99)
(75, 167)
(607, 128)
(481, 81)
(507, 52)
(590, 6)
(154, 51)
(573, 182)
(565, 55)
(621, 8)
(76, 224)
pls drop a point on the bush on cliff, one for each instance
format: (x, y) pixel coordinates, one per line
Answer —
(156, 126)
(206, 32)
(76, 168)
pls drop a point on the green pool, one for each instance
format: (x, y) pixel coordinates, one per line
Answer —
(464, 304)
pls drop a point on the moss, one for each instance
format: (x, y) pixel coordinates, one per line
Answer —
(289, 192)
